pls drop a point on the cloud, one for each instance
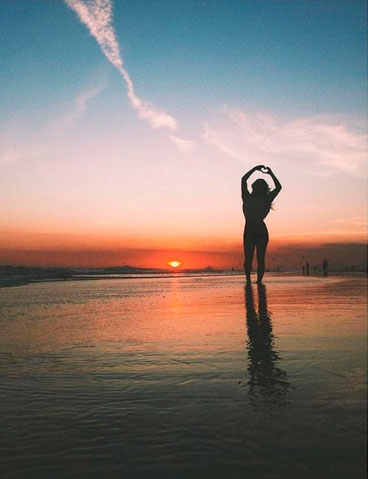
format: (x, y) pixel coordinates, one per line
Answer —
(352, 223)
(97, 16)
(328, 141)
(13, 145)
(12, 152)
(185, 146)
(80, 105)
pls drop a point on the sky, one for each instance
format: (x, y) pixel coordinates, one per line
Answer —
(126, 126)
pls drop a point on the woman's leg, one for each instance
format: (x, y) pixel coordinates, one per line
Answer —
(248, 258)
(261, 253)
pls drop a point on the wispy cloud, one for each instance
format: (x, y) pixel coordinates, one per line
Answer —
(356, 220)
(80, 105)
(327, 141)
(352, 222)
(185, 146)
(97, 16)
(11, 151)
(14, 147)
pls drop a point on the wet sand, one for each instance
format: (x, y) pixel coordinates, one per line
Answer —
(184, 377)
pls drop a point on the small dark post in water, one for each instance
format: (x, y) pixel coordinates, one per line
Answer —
(303, 270)
(307, 268)
(325, 267)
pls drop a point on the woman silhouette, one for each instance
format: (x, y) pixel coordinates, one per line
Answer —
(256, 206)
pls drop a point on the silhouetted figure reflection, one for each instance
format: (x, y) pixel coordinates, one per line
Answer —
(267, 382)
(307, 267)
(256, 206)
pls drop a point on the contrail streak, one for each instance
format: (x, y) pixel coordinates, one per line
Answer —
(97, 16)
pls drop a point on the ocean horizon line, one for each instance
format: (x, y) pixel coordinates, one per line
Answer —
(22, 275)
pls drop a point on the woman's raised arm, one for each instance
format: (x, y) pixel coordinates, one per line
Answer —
(278, 186)
(244, 186)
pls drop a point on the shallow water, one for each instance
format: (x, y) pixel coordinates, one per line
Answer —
(184, 378)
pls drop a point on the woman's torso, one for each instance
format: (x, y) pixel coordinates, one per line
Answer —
(256, 209)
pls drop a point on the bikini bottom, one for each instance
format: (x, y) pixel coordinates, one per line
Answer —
(255, 233)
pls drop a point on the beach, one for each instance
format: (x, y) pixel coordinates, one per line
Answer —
(184, 377)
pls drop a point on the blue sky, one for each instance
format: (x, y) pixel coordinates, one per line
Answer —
(293, 56)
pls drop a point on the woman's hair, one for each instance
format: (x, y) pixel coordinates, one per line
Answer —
(260, 188)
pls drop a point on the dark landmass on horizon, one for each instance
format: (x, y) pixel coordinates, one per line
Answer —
(22, 275)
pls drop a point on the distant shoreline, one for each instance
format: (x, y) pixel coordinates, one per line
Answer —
(11, 276)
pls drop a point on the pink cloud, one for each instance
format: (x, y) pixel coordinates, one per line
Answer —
(326, 141)
(185, 146)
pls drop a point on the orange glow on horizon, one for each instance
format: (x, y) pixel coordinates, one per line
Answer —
(27, 248)
(174, 263)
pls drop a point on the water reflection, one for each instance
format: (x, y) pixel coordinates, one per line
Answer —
(267, 382)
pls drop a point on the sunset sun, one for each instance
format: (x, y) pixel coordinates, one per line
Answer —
(174, 264)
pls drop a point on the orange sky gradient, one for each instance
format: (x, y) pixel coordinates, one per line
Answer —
(71, 250)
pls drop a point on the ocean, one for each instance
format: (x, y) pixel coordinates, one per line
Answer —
(184, 377)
